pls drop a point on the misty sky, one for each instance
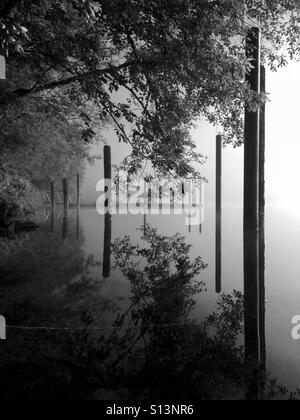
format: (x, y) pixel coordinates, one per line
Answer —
(283, 149)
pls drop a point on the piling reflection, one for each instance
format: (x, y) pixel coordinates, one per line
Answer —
(52, 221)
(65, 224)
(78, 224)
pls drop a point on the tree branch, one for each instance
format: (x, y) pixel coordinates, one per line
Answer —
(23, 92)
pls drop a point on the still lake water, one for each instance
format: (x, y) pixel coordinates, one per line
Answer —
(52, 282)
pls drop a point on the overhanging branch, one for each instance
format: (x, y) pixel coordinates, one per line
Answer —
(23, 92)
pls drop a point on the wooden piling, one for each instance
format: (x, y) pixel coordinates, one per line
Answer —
(107, 162)
(78, 224)
(66, 194)
(172, 200)
(107, 219)
(52, 193)
(78, 191)
(66, 208)
(218, 214)
(52, 222)
(128, 192)
(262, 293)
(52, 188)
(160, 199)
(107, 246)
(201, 206)
(183, 194)
(78, 206)
(65, 225)
(117, 185)
(251, 217)
(107, 174)
(149, 198)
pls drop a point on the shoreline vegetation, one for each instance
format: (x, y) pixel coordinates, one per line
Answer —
(38, 145)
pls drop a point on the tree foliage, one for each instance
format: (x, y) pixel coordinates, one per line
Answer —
(41, 141)
(152, 67)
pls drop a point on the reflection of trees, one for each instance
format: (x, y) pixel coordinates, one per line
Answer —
(36, 267)
(170, 355)
(152, 349)
(163, 278)
(157, 350)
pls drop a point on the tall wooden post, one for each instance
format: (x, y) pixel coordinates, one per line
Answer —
(149, 198)
(107, 174)
(128, 195)
(107, 162)
(160, 199)
(251, 216)
(52, 222)
(78, 206)
(52, 196)
(66, 207)
(262, 293)
(201, 206)
(172, 200)
(66, 194)
(78, 191)
(78, 223)
(183, 194)
(107, 246)
(145, 224)
(190, 197)
(65, 225)
(219, 214)
(117, 185)
(107, 220)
